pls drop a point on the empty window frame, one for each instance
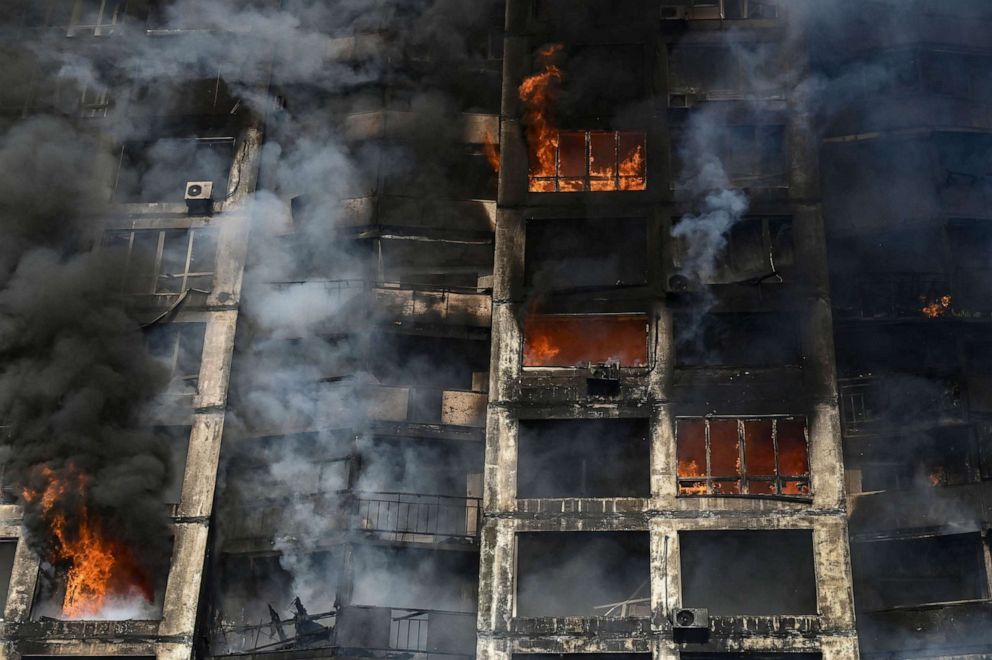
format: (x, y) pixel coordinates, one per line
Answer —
(758, 249)
(762, 456)
(96, 17)
(749, 572)
(693, 10)
(166, 261)
(717, 72)
(179, 347)
(593, 161)
(587, 574)
(920, 571)
(574, 253)
(583, 458)
(747, 339)
(579, 340)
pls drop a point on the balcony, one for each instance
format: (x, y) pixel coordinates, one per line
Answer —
(419, 518)
(893, 296)
(875, 405)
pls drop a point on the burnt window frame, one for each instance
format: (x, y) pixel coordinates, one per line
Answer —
(109, 15)
(728, 152)
(157, 275)
(133, 148)
(687, 10)
(743, 478)
(587, 178)
(777, 240)
(177, 344)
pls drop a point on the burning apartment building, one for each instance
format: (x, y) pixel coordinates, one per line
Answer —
(508, 329)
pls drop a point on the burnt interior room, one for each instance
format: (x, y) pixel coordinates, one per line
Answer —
(410, 465)
(757, 250)
(619, 339)
(949, 455)
(596, 574)
(583, 458)
(158, 170)
(581, 656)
(748, 572)
(597, 253)
(753, 655)
(926, 570)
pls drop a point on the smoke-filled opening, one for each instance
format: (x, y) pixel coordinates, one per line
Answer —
(158, 170)
(736, 339)
(583, 458)
(756, 573)
(753, 250)
(583, 574)
(920, 571)
(161, 263)
(575, 340)
(586, 253)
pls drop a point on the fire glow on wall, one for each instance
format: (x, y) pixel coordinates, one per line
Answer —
(572, 340)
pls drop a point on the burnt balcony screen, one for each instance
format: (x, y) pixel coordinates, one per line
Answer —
(583, 458)
(743, 456)
(736, 340)
(570, 253)
(592, 161)
(575, 340)
(749, 573)
(586, 574)
(922, 571)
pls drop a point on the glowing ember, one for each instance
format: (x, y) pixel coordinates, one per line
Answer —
(937, 308)
(98, 567)
(571, 340)
(938, 477)
(537, 93)
(492, 151)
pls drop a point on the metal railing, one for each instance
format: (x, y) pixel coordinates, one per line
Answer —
(432, 518)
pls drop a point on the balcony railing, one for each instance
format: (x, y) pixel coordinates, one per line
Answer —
(427, 518)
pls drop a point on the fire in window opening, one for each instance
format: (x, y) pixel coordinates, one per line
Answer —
(766, 456)
(574, 340)
(168, 261)
(596, 161)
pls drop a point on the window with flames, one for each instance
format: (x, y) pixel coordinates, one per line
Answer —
(590, 161)
(766, 456)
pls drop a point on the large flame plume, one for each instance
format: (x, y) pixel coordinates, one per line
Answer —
(538, 93)
(97, 567)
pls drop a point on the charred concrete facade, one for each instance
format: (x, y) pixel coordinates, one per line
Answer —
(430, 398)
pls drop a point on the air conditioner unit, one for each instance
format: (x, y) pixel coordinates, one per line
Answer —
(694, 618)
(199, 197)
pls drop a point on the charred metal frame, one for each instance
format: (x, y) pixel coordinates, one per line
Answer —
(587, 181)
(743, 480)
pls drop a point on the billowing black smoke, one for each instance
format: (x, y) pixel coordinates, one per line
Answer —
(74, 376)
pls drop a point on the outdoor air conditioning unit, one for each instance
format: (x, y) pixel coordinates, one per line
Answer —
(694, 618)
(199, 197)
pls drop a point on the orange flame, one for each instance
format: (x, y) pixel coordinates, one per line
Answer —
(537, 93)
(632, 171)
(571, 340)
(938, 308)
(491, 150)
(99, 567)
(938, 477)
